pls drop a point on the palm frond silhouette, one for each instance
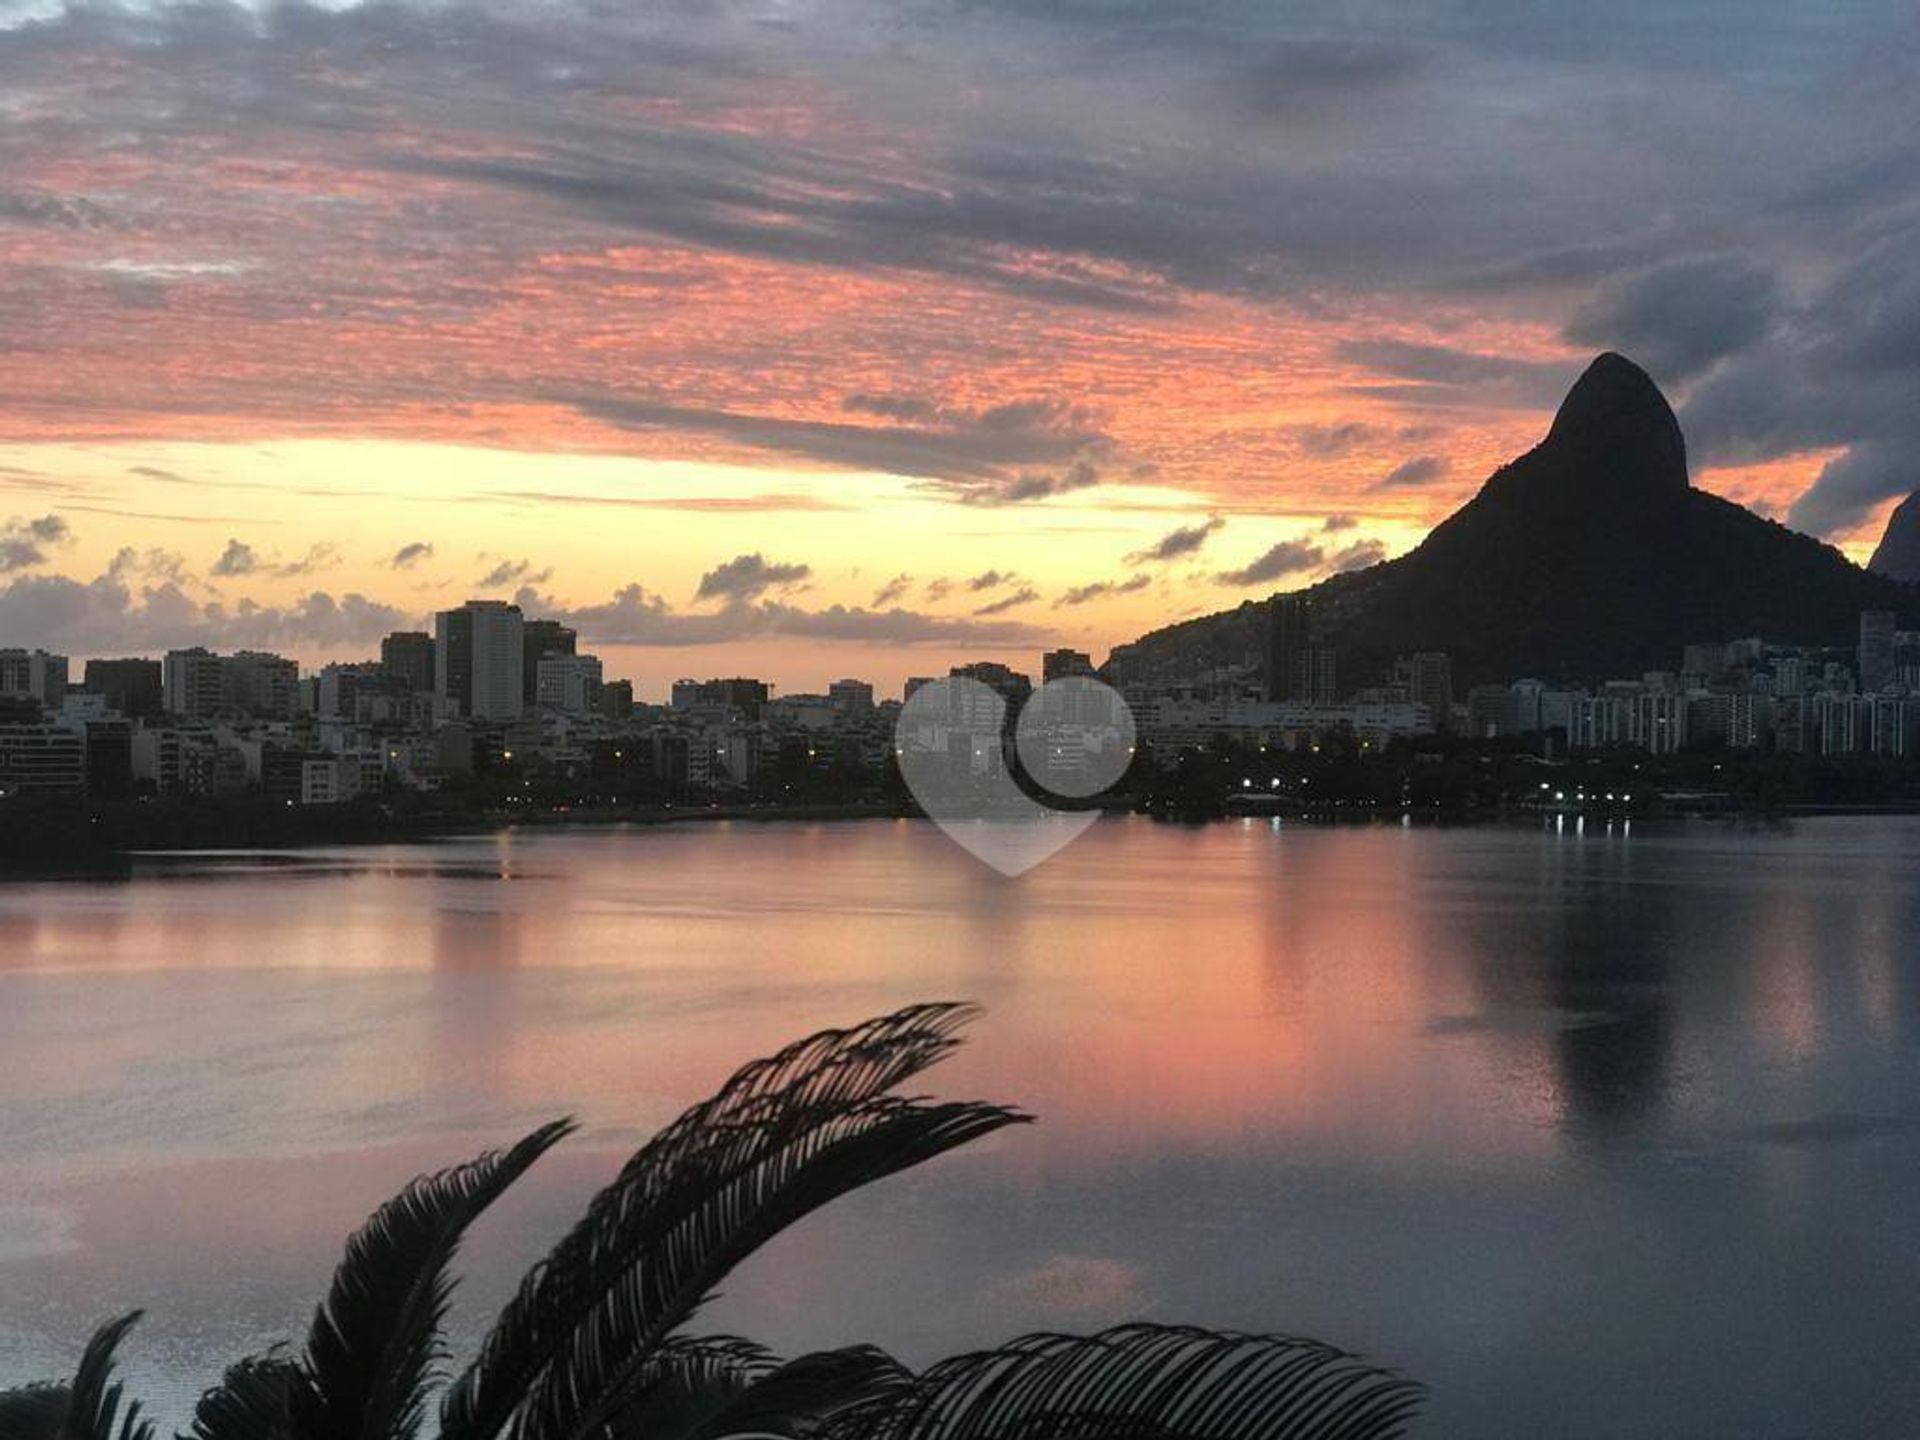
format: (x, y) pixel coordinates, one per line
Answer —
(593, 1345)
(84, 1408)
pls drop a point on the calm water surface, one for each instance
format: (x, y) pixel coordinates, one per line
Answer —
(1598, 1134)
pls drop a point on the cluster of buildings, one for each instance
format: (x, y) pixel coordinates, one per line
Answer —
(1739, 695)
(491, 687)
(1744, 694)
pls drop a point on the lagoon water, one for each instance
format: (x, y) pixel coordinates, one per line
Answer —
(1598, 1133)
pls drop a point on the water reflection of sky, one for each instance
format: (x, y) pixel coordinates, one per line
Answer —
(1597, 1134)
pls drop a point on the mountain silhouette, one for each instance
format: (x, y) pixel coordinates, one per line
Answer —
(1589, 557)
(1898, 556)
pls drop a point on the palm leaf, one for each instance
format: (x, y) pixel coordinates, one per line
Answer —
(783, 1137)
(800, 1397)
(33, 1412)
(1143, 1382)
(686, 1381)
(375, 1341)
(253, 1400)
(85, 1408)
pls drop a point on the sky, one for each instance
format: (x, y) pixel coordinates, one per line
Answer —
(816, 339)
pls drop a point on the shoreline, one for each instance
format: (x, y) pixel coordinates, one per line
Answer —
(107, 864)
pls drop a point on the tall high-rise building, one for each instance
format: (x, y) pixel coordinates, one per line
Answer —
(616, 699)
(196, 684)
(132, 687)
(1288, 638)
(1059, 664)
(407, 655)
(1429, 682)
(539, 639)
(569, 683)
(851, 697)
(263, 684)
(34, 674)
(479, 659)
(1877, 630)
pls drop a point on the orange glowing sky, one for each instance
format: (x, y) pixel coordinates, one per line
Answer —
(319, 319)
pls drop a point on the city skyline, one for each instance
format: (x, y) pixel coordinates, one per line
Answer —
(838, 342)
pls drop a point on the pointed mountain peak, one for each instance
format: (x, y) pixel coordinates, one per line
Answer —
(1898, 557)
(1616, 429)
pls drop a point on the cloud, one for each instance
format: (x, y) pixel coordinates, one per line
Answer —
(1837, 373)
(513, 572)
(108, 615)
(1357, 556)
(1326, 442)
(239, 558)
(411, 554)
(319, 556)
(1295, 81)
(893, 590)
(746, 577)
(1680, 317)
(1013, 600)
(770, 502)
(1019, 450)
(635, 616)
(893, 407)
(1334, 524)
(990, 580)
(44, 207)
(1441, 375)
(1100, 589)
(844, 201)
(25, 543)
(1411, 474)
(1289, 557)
(1185, 540)
(1080, 474)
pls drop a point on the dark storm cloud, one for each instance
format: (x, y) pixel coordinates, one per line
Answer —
(1678, 319)
(1843, 370)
